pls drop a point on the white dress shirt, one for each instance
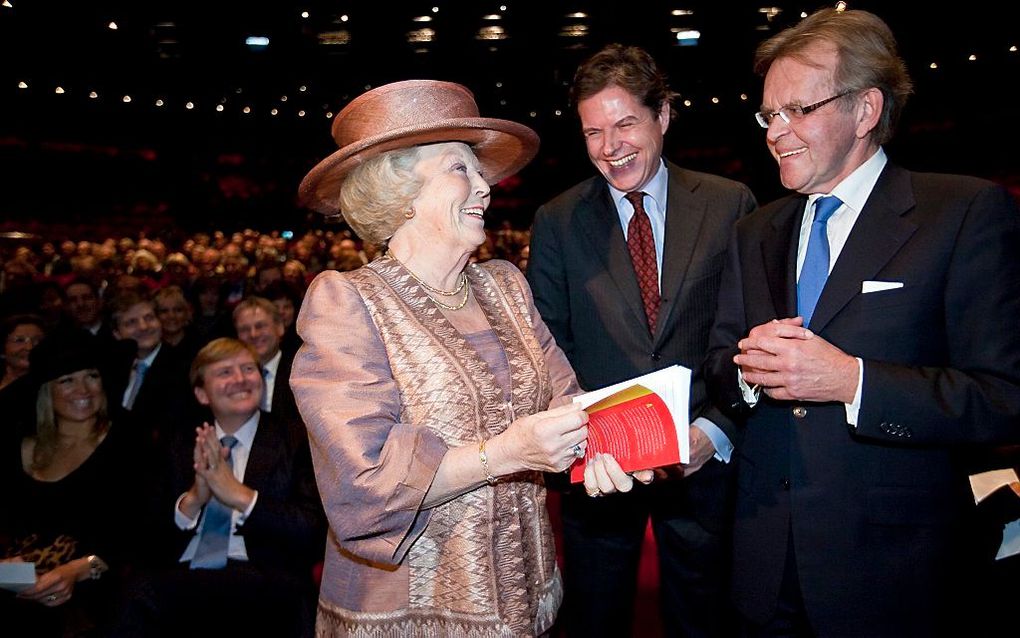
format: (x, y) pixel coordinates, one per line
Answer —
(239, 457)
(269, 375)
(133, 379)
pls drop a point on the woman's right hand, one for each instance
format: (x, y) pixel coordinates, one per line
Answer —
(545, 441)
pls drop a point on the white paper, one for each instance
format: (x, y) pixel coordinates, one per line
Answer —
(879, 286)
(985, 483)
(17, 576)
(1010, 540)
(673, 385)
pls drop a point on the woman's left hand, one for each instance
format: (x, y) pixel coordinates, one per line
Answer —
(603, 475)
(55, 587)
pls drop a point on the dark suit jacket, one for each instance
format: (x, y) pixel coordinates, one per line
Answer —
(874, 510)
(586, 290)
(287, 528)
(165, 403)
(284, 405)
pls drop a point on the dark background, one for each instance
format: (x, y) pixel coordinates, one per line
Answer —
(79, 166)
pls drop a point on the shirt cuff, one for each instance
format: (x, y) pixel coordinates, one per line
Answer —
(182, 521)
(723, 446)
(750, 394)
(247, 511)
(853, 409)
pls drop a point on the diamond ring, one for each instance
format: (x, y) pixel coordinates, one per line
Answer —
(51, 598)
(577, 451)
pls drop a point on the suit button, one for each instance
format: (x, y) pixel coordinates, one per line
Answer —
(656, 356)
(800, 412)
(785, 484)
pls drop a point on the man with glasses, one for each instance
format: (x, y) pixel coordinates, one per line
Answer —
(866, 331)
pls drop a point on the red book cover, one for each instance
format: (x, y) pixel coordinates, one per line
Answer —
(635, 426)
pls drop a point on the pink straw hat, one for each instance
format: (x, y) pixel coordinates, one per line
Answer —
(405, 114)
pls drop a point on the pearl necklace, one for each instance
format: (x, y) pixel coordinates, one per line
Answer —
(430, 291)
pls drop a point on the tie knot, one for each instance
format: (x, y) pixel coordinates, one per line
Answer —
(228, 442)
(265, 373)
(637, 199)
(141, 367)
(825, 207)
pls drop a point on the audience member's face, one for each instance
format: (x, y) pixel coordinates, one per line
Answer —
(78, 396)
(140, 323)
(209, 300)
(286, 309)
(256, 328)
(19, 344)
(174, 315)
(231, 387)
(269, 275)
(82, 304)
(623, 136)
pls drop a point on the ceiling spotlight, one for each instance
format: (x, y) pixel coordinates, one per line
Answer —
(274, 111)
(933, 65)
(93, 95)
(112, 26)
(421, 19)
(329, 115)
(344, 18)
(219, 108)
(22, 85)
(189, 105)
(972, 57)
(283, 98)
(159, 102)
(126, 99)
(715, 100)
(304, 14)
(59, 90)
(8, 4)
(743, 97)
(246, 110)
(681, 12)
(257, 41)
(687, 102)
(302, 88)
(300, 113)
(435, 9)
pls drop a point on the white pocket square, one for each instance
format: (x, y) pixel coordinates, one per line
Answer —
(878, 286)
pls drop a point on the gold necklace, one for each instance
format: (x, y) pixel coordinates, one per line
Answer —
(462, 286)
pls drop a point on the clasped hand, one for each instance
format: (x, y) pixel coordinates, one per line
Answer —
(791, 363)
(214, 476)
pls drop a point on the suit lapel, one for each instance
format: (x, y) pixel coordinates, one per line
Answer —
(878, 234)
(685, 214)
(779, 254)
(601, 226)
(264, 447)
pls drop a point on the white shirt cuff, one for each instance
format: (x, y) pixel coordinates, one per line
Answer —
(852, 409)
(182, 521)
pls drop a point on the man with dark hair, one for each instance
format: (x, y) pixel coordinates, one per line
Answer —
(625, 271)
(866, 331)
(149, 379)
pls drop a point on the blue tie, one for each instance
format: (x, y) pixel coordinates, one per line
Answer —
(815, 270)
(214, 540)
(140, 369)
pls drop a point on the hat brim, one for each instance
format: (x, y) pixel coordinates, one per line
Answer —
(501, 146)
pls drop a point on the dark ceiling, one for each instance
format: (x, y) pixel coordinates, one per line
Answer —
(204, 165)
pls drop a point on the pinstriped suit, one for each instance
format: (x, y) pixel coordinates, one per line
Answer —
(586, 291)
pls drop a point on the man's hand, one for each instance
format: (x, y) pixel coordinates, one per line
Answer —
(218, 474)
(791, 363)
(702, 450)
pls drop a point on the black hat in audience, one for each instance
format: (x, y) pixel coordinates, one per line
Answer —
(64, 352)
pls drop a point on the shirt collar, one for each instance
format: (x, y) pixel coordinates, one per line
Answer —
(655, 188)
(856, 188)
(274, 363)
(151, 356)
(246, 433)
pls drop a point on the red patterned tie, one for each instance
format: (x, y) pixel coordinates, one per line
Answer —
(642, 254)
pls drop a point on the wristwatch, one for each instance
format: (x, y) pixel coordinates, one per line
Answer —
(96, 566)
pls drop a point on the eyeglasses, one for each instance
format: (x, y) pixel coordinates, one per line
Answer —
(794, 112)
(23, 339)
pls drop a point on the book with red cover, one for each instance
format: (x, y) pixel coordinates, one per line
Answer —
(642, 422)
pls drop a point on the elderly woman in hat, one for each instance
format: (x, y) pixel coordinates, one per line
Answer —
(67, 491)
(426, 382)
